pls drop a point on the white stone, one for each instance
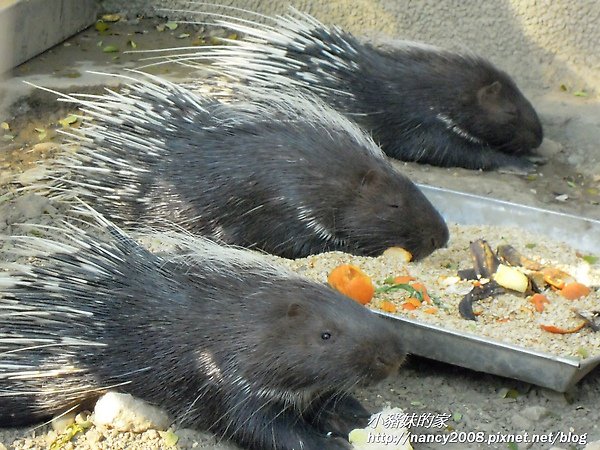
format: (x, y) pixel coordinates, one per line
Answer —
(123, 412)
(33, 175)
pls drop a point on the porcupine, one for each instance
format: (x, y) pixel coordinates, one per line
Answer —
(421, 103)
(285, 174)
(222, 338)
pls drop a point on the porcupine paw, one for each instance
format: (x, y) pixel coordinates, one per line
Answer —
(515, 165)
(341, 416)
(306, 439)
(524, 168)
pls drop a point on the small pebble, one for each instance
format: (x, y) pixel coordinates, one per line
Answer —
(521, 422)
(60, 423)
(94, 436)
(562, 198)
(535, 413)
(549, 148)
(33, 175)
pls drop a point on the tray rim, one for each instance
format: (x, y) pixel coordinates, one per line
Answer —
(507, 203)
(576, 368)
(571, 361)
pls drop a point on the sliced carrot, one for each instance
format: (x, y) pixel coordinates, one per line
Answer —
(353, 282)
(503, 319)
(557, 330)
(556, 278)
(573, 291)
(539, 300)
(430, 310)
(403, 279)
(423, 290)
(408, 306)
(414, 301)
(388, 306)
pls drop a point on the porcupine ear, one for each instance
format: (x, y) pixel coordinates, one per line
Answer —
(296, 310)
(488, 95)
(369, 178)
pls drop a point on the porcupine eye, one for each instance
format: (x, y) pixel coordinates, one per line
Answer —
(326, 335)
(394, 206)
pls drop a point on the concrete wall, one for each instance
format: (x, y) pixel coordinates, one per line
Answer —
(29, 27)
(542, 43)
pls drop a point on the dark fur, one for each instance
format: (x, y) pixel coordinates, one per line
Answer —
(246, 173)
(480, 99)
(397, 94)
(182, 335)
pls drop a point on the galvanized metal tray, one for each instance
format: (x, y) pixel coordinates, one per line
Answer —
(484, 354)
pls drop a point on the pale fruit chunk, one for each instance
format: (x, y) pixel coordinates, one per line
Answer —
(398, 253)
(511, 278)
(378, 436)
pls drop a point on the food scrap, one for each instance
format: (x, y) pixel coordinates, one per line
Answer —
(351, 281)
(539, 302)
(573, 291)
(511, 278)
(558, 330)
(399, 253)
(510, 270)
(517, 293)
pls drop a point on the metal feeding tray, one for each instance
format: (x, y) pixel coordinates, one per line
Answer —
(484, 354)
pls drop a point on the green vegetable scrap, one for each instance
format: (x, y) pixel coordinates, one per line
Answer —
(170, 438)
(509, 393)
(69, 120)
(41, 133)
(583, 352)
(101, 26)
(66, 437)
(391, 286)
(590, 259)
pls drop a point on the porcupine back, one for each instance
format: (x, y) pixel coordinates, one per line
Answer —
(219, 337)
(422, 103)
(285, 174)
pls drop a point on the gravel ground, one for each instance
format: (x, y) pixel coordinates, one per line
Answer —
(494, 406)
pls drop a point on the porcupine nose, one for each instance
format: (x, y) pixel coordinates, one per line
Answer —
(440, 241)
(390, 356)
(439, 235)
